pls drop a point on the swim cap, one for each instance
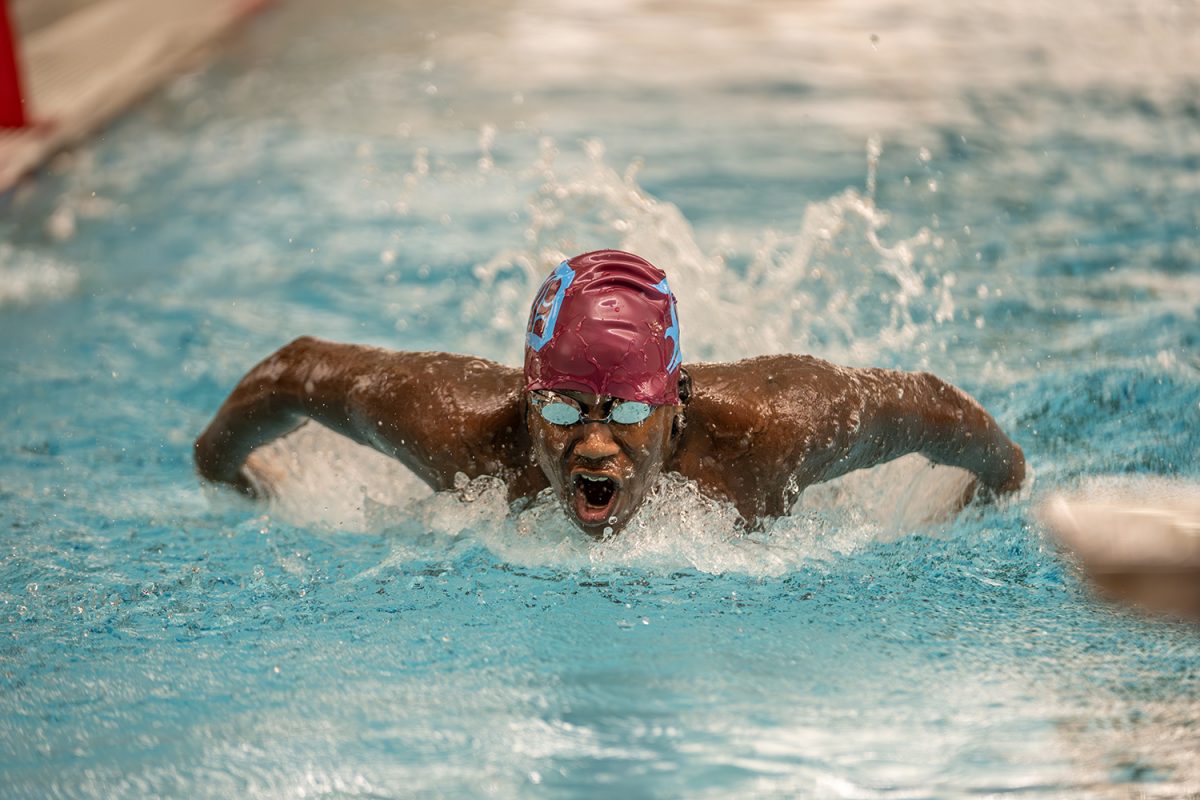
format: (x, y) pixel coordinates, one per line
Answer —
(605, 323)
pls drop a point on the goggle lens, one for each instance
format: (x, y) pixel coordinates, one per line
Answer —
(560, 413)
(630, 412)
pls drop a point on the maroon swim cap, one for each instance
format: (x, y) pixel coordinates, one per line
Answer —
(605, 323)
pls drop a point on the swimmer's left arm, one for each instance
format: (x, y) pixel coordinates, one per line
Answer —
(952, 428)
(919, 412)
(875, 415)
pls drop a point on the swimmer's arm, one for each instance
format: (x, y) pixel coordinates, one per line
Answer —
(888, 414)
(431, 411)
(948, 426)
(264, 406)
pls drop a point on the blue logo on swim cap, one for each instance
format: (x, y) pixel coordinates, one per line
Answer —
(672, 332)
(546, 309)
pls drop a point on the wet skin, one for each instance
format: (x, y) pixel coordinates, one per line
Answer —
(755, 432)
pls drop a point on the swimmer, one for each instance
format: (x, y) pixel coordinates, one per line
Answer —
(604, 405)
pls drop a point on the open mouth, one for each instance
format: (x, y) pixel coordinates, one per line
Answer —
(595, 496)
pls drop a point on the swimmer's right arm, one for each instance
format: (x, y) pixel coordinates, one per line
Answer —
(431, 411)
(266, 404)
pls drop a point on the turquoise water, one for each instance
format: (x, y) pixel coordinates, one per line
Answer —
(1004, 195)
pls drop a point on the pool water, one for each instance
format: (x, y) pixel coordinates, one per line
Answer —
(1005, 194)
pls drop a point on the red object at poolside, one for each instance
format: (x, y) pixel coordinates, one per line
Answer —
(12, 104)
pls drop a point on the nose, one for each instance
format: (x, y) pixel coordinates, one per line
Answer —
(597, 443)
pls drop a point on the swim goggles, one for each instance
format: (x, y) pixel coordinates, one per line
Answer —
(558, 410)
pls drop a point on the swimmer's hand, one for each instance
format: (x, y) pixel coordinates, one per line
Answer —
(954, 429)
(256, 478)
(259, 478)
(1014, 481)
(1008, 471)
(262, 408)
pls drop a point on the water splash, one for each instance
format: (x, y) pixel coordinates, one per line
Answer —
(801, 290)
(678, 528)
(317, 478)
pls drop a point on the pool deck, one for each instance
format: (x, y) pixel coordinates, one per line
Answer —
(85, 68)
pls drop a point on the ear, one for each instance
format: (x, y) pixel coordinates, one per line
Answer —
(677, 422)
(685, 394)
(685, 386)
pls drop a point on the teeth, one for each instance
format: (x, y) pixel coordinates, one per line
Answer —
(596, 478)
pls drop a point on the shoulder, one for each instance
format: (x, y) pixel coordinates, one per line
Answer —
(434, 395)
(767, 380)
(751, 396)
(459, 379)
(783, 403)
(443, 413)
(751, 426)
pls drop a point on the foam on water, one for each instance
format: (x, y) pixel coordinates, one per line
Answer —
(27, 279)
(316, 477)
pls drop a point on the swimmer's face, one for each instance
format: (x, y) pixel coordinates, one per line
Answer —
(600, 471)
